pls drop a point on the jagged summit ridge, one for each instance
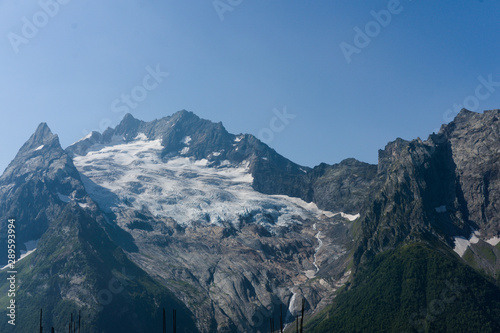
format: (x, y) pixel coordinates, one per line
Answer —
(41, 150)
(42, 136)
(212, 215)
(446, 188)
(172, 130)
(36, 186)
(184, 187)
(185, 134)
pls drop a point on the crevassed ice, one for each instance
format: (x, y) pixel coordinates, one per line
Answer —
(132, 175)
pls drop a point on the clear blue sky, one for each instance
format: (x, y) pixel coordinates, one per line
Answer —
(263, 55)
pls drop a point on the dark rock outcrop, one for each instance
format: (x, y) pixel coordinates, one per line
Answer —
(444, 187)
(36, 186)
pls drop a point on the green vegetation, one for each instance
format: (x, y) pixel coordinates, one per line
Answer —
(413, 289)
(77, 267)
(486, 252)
(469, 258)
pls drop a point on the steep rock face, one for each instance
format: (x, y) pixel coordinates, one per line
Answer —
(440, 188)
(416, 177)
(82, 146)
(185, 190)
(77, 268)
(186, 134)
(415, 288)
(429, 198)
(236, 280)
(41, 153)
(474, 140)
(36, 186)
(342, 187)
(183, 132)
(273, 174)
(243, 245)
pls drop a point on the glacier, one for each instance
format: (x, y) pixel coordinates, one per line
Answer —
(182, 188)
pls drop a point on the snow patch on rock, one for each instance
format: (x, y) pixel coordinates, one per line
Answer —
(461, 245)
(349, 216)
(493, 241)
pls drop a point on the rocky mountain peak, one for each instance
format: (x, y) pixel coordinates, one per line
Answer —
(41, 156)
(41, 177)
(464, 115)
(182, 192)
(43, 146)
(391, 154)
(128, 127)
(43, 130)
(42, 136)
(184, 115)
(183, 130)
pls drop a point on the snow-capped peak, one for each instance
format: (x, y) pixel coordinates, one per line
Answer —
(134, 176)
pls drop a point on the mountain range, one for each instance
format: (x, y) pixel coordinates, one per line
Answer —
(177, 213)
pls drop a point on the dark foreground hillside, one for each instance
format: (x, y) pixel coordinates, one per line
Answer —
(414, 289)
